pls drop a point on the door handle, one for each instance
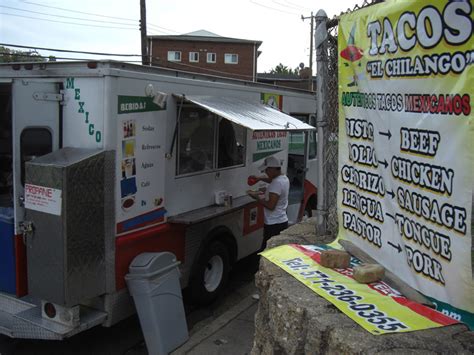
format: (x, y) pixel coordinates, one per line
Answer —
(27, 229)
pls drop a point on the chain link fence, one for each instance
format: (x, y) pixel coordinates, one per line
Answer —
(331, 114)
(332, 132)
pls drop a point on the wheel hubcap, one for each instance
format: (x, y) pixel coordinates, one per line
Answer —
(213, 273)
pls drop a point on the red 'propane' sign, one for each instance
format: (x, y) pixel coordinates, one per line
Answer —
(43, 199)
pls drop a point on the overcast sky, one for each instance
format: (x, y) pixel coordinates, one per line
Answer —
(62, 24)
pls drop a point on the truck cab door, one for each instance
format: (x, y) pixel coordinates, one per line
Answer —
(296, 170)
(36, 107)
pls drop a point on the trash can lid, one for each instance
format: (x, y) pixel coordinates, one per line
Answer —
(152, 263)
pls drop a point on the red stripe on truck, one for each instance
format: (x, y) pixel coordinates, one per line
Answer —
(21, 270)
(253, 218)
(309, 190)
(164, 237)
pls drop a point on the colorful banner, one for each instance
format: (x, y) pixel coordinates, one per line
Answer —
(271, 99)
(405, 145)
(376, 307)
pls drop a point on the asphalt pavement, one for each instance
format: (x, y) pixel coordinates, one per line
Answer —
(230, 334)
(224, 327)
(227, 326)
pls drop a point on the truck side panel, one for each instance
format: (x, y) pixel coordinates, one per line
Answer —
(83, 112)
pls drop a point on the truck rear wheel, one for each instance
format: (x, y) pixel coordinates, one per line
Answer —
(211, 273)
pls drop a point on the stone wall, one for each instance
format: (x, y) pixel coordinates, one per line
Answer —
(292, 319)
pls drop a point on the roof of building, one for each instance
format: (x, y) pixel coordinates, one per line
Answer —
(278, 76)
(201, 33)
(204, 36)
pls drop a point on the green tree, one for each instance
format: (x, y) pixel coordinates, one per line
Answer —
(283, 69)
(8, 55)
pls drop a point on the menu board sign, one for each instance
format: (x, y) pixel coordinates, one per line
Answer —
(405, 147)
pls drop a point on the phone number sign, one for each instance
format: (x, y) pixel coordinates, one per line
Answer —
(376, 307)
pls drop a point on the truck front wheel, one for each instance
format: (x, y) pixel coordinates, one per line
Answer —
(211, 273)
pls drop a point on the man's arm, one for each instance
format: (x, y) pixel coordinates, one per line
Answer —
(262, 178)
(271, 202)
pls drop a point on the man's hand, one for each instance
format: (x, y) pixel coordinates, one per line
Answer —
(253, 194)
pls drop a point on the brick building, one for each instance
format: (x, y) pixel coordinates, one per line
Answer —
(206, 52)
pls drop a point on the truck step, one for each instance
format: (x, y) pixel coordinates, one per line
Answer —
(21, 318)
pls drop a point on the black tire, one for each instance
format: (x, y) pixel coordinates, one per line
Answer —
(211, 273)
(308, 211)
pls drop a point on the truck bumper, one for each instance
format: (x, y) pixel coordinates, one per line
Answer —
(21, 319)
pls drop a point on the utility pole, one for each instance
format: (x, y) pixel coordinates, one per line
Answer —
(311, 36)
(143, 32)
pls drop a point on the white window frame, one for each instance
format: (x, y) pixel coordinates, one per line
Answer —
(211, 55)
(172, 56)
(228, 58)
(191, 55)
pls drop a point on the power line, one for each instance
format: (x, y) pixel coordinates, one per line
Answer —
(163, 28)
(98, 15)
(288, 5)
(69, 51)
(299, 7)
(150, 32)
(76, 18)
(55, 57)
(273, 8)
(69, 23)
(80, 24)
(70, 17)
(38, 56)
(128, 61)
(79, 12)
(210, 70)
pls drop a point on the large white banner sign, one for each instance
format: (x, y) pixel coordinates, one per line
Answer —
(405, 144)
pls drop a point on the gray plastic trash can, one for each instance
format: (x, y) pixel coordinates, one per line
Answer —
(153, 282)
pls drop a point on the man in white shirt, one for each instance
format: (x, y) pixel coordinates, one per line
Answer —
(276, 197)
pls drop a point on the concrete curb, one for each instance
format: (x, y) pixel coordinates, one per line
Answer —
(204, 333)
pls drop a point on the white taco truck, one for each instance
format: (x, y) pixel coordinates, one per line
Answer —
(103, 161)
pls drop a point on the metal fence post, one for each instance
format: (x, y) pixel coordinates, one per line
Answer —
(320, 37)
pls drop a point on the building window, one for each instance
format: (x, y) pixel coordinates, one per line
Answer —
(174, 56)
(193, 57)
(211, 57)
(231, 58)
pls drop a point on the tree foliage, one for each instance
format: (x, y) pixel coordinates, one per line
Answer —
(283, 69)
(8, 55)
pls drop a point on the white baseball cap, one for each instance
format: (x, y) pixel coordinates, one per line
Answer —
(270, 162)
